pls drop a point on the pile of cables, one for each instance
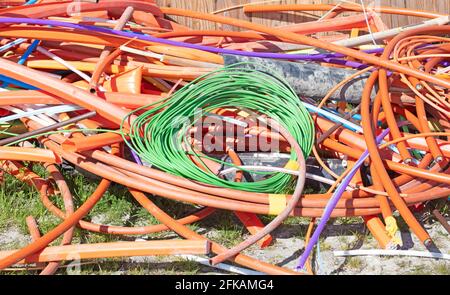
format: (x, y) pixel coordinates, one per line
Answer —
(242, 121)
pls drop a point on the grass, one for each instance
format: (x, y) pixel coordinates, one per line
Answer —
(224, 228)
(355, 263)
(419, 270)
(324, 246)
(442, 269)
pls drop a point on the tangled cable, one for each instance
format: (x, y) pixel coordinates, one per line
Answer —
(159, 136)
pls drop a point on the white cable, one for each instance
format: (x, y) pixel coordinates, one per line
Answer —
(44, 117)
(346, 123)
(19, 111)
(50, 110)
(174, 60)
(361, 40)
(141, 52)
(353, 42)
(222, 266)
(98, 20)
(12, 44)
(280, 170)
(330, 11)
(333, 117)
(367, 22)
(443, 71)
(377, 252)
(63, 62)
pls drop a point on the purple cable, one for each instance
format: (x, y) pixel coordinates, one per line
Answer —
(136, 157)
(333, 202)
(127, 34)
(347, 63)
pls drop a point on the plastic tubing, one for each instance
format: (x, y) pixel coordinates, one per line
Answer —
(63, 62)
(343, 23)
(109, 174)
(115, 249)
(332, 204)
(164, 189)
(47, 128)
(26, 97)
(28, 52)
(127, 100)
(91, 142)
(28, 154)
(117, 230)
(52, 267)
(46, 239)
(290, 206)
(276, 169)
(122, 230)
(292, 36)
(65, 90)
(44, 10)
(190, 234)
(270, 55)
(244, 24)
(312, 42)
(148, 172)
(378, 163)
(126, 15)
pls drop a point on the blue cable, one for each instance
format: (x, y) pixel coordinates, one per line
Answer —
(25, 56)
(28, 52)
(31, 2)
(9, 80)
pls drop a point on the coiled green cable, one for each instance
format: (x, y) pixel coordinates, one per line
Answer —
(159, 135)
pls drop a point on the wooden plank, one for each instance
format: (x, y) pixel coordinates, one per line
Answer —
(279, 19)
(196, 5)
(235, 13)
(283, 18)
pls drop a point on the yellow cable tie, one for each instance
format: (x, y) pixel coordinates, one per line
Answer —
(277, 203)
(391, 226)
(392, 230)
(292, 165)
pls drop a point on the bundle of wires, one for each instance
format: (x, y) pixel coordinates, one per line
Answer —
(159, 134)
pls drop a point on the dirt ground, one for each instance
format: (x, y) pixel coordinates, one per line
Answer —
(284, 252)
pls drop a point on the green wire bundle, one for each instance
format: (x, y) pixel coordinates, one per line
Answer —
(158, 135)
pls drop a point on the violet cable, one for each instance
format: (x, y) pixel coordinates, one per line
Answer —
(333, 202)
(45, 22)
(136, 157)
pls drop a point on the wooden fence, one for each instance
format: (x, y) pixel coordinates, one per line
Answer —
(275, 19)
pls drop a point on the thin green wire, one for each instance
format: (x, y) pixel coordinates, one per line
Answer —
(158, 135)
